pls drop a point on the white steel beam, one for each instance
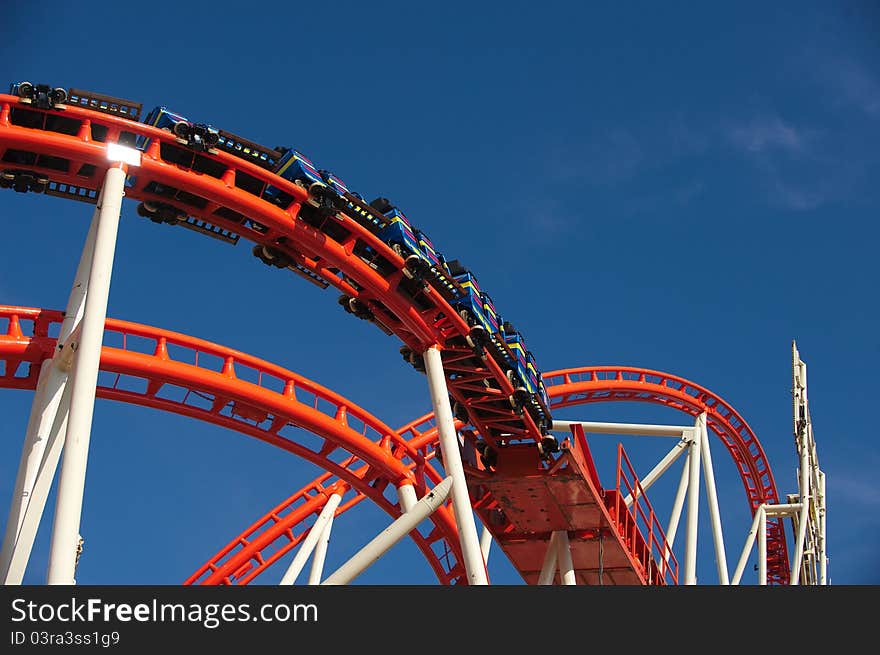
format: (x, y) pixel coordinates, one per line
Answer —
(31, 456)
(320, 553)
(449, 448)
(661, 468)
(566, 566)
(747, 549)
(44, 407)
(762, 548)
(777, 511)
(823, 556)
(485, 544)
(71, 482)
(548, 568)
(33, 513)
(712, 500)
(691, 525)
(678, 503)
(636, 429)
(404, 524)
(406, 493)
(311, 540)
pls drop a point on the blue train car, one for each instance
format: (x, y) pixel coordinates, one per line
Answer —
(469, 301)
(334, 183)
(198, 136)
(296, 167)
(520, 375)
(427, 249)
(491, 312)
(413, 245)
(39, 95)
(399, 232)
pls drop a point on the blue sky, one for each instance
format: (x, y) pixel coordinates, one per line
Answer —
(675, 187)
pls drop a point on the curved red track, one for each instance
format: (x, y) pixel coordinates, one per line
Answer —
(256, 410)
(195, 378)
(79, 161)
(595, 384)
(370, 459)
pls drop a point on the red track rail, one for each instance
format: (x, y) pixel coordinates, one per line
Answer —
(596, 384)
(240, 405)
(421, 320)
(173, 372)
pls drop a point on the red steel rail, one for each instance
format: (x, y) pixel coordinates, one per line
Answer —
(26, 342)
(74, 158)
(595, 384)
(188, 376)
(227, 194)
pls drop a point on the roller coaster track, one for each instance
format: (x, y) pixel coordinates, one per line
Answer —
(223, 194)
(598, 384)
(207, 385)
(176, 373)
(69, 146)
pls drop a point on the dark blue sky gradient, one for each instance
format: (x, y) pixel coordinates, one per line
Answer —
(685, 188)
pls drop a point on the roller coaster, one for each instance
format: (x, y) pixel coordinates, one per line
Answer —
(488, 449)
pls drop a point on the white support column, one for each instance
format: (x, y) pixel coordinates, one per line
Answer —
(548, 569)
(804, 514)
(747, 549)
(404, 524)
(661, 468)
(406, 494)
(31, 456)
(449, 448)
(71, 483)
(690, 537)
(678, 503)
(566, 566)
(762, 547)
(823, 555)
(320, 554)
(311, 540)
(485, 544)
(40, 493)
(44, 408)
(712, 500)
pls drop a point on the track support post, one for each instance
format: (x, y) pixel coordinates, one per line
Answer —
(449, 448)
(71, 482)
(712, 500)
(693, 508)
(18, 541)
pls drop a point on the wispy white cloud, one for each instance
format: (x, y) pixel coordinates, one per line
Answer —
(793, 169)
(766, 133)
(850, 83)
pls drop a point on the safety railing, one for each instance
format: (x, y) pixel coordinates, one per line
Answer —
(638, 520)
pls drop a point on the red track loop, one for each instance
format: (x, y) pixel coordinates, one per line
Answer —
(173, 372)
(274, 533)
(229, 197)
(228, 194)
(595, 384)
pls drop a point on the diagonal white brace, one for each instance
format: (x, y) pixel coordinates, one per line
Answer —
(405, 523)
(311, 540)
